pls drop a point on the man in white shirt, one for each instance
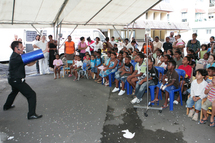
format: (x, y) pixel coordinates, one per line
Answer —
(112, 41)
(43, 63)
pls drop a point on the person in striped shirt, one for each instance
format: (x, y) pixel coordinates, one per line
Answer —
(210, 90)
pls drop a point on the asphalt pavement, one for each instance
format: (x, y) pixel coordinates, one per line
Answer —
(86, 112)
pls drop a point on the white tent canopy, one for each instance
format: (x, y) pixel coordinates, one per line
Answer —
(90, 13)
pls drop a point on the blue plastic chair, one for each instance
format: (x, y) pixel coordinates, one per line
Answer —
(152, 87)
(172, 92)
(67, 68)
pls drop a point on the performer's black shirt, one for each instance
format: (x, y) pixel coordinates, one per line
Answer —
(16, 67)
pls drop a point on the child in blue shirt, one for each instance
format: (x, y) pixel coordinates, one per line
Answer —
(93, 65)
(98, 64)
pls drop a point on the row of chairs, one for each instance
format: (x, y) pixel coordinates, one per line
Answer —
(129, 88)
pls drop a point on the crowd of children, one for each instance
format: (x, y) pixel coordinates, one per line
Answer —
(129, 65)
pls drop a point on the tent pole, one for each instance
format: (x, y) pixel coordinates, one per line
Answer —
(67, 37)
(97, 12)
(131, 31)
(14, 1)
(145, 11)
(117, 32)
(54, 31)
(127, 31)
(35, 29)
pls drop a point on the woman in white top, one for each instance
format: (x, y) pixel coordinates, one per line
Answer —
(37, 39)
(97, 45)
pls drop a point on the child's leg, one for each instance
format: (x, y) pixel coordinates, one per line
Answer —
(182, 88)
(58, 72)
(70, 69)
(212, 115)
(129, 79)
(141, 90)
(123, 85)
(205, 106)
(117, 83)
(55, 71)
(166, 99)
(76, 74)
(133, 82)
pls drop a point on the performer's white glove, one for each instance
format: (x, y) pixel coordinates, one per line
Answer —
(164, 88)
(161, 86)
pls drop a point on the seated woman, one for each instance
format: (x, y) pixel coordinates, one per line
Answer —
(112, 67)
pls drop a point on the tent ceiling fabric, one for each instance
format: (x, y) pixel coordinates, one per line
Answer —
(86, 13)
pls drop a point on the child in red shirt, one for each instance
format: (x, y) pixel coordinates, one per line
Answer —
(188, 70)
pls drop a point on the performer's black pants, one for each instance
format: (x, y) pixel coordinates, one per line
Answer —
(17, 86)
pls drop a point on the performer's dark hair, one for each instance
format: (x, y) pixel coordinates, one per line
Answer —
(15, 44)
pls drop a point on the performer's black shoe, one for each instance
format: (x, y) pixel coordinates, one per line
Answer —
(35, 117)
(12, 106)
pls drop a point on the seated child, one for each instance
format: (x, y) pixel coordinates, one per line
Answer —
(130, 51)
(122, 74)
(210, 91)
(159, 55)
(112, 67)
(204, 61)
(211, 61)
(141, 85)
(170, 52)
(162, 63)
(192, 63)
(87, 53)
(167, 58)
(73, 65)
(138, 74)
(197, 94)
(203, 51)
(98, 64)
(211, 72)
(134, 55)
(92, 66)
(178, 58)
(191, 51)
(87, 61)
(125, 54)
(188, 70)
(108, 58)
(78, 67)
(57, 65)
(115, 46)
(170, 82)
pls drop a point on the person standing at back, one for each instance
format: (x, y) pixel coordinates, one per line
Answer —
(16, 79)
(82, 46)
(167, 45)
(171, 37)
(43, 63)
(89, 43)
(194, 44)
(52, 44)
(37, 39)
(69, 49)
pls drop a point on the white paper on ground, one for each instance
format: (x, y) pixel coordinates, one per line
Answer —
(128, 134)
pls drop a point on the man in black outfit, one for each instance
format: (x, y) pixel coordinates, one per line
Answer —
(167, 45)
(16, 78)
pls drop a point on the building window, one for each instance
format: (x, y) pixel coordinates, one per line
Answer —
(184, 16)
(154, 16)
(211, 3)
(167, 16)
(146, 15)
(208, 31)
(198, 17)
(195, 31)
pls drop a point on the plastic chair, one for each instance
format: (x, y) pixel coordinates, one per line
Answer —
(152, 87)
(84, 71)
(66, 68)
(60, 70)
(172, 92)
